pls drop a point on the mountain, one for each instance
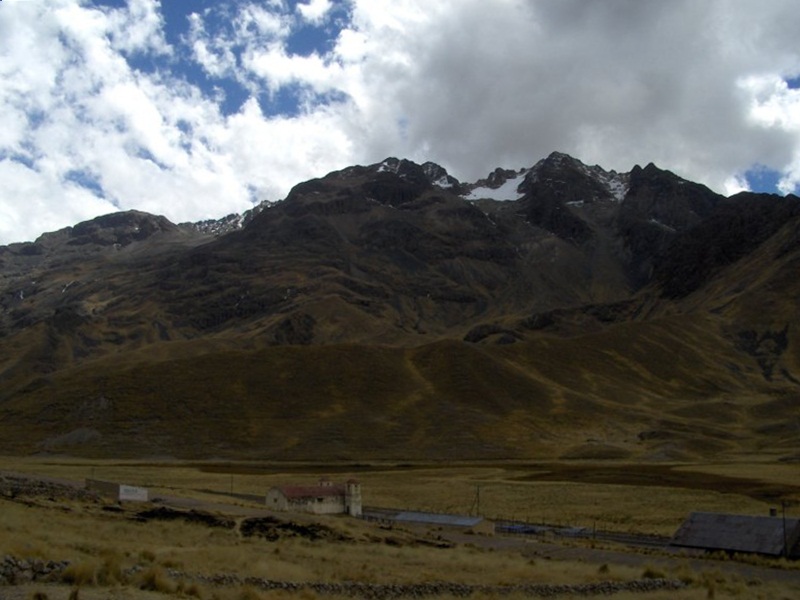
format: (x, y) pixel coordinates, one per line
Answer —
(390, 311)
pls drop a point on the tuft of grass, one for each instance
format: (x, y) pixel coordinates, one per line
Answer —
(104, 570)
(651, 572)
(249, 593)
(109, 571)
(79, 574)
(188, 589)
(171, 563)
(685, 575)
(154, 579)
(147, 556)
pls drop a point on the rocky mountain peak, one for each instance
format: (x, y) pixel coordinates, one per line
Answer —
(499, 176)
(560, 159)
(115, 229)
(438, 175)
(406, 169)
(667, 198)
(561, 169)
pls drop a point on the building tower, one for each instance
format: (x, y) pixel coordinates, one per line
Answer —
(352, 498)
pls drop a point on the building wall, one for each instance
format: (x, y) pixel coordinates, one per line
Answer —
(352, 499)
(276, 500)
(130, 493)
(116, 491)
(326, 505)
(317, 505)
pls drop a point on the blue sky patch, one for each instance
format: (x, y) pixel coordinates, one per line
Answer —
(19, 158)
(763, 179)
(85, 179)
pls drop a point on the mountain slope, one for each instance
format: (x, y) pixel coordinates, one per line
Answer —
(390, 311)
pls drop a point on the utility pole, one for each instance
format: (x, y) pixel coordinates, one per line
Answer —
(476, 503)
(785, 539)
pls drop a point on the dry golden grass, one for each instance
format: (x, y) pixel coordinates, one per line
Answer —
(505, 490)
(103, 545)
(664, 389)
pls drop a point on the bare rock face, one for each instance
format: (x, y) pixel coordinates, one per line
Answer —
(736, 228)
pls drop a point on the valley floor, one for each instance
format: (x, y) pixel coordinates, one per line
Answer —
(115, 553)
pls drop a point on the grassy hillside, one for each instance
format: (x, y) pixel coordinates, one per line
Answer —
(669, 388)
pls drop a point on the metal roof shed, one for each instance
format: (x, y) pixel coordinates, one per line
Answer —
(438, 519)
(475, 524)
(771, 536)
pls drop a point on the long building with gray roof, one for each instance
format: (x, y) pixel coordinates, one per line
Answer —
(770, 536)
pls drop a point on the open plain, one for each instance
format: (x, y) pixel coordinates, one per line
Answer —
(196, 546)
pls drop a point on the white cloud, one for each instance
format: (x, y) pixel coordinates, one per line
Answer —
(147, 141)
(734, 185)
(279, 69)
(315, 11)
(139, 29)
(47, 203)
(696, 87)
(217, 59)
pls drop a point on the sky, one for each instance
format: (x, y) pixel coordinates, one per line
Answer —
(195, 109)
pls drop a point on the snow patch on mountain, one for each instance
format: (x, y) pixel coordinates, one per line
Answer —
(438, 175)
(508, 190)
(232, 222)
(390, 165)
(617, 184)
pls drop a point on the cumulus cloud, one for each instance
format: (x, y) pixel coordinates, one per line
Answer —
(314, 11)
(775, 107)
(90, 134)
(87, 126)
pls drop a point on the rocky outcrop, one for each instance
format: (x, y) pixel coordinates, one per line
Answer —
(14, 487)
(19, 571)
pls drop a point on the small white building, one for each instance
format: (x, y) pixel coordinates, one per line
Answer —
(325, 498)
(118, 491)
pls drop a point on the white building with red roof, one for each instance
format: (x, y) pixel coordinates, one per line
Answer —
(325, 498)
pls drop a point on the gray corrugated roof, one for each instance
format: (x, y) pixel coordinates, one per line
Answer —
(437, 519)
(737, 533)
